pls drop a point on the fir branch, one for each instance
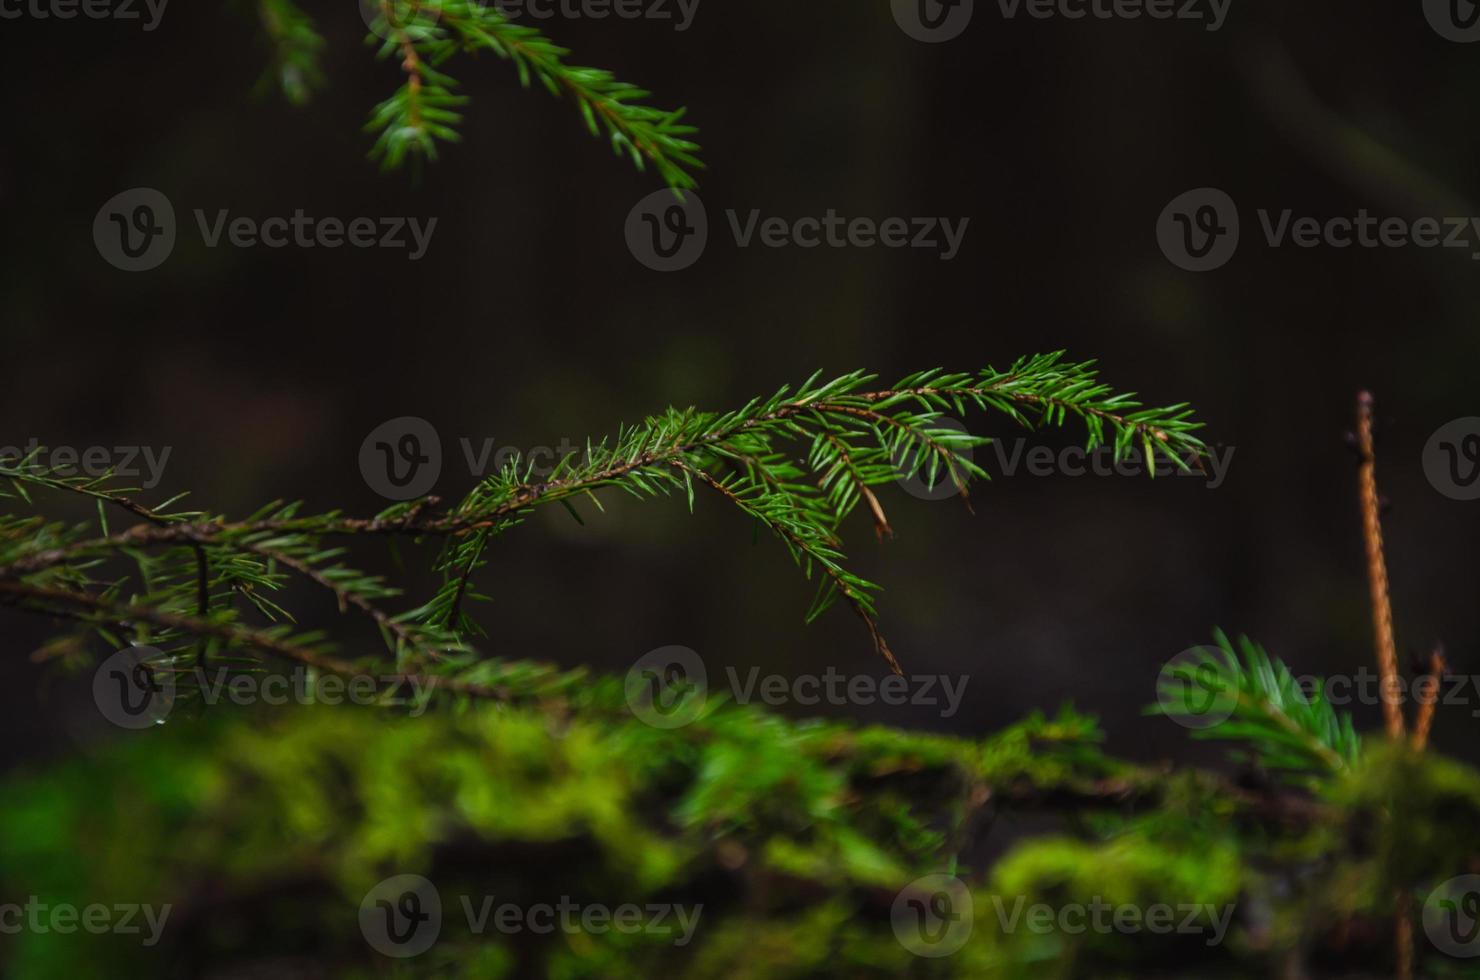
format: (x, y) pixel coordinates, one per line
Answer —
(1285, 727)
(426, 34)
(797, 462)
(306, 649)
(230, 575)
(29, 470)
(808, 543)
(294, 46)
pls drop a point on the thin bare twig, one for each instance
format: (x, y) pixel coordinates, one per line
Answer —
(1377, 576)
(1429, 701)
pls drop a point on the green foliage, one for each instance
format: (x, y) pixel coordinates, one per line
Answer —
(294, 47)
(1061, 751)
(265, 828)
(199, 586)
(430, 32)
(1141, 865)
(529, 783)
(422, 36)
(1284, 726)
(1411, 813)
(314, 805)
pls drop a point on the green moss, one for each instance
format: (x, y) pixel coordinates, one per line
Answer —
(265, 830)
(1134, 868)
(1408, 819)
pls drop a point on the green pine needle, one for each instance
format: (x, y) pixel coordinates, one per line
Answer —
(797, 463)
(1285, 727)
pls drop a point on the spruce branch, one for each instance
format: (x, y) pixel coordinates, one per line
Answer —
(809, 544)
(424, 109)
(294, 47)
(233, 575)
(797, 462)
(1285, 727)
(645, 134)
(308, 649)
(423, 35)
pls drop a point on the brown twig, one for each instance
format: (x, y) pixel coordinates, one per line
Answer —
(345, 598)
(454, 609)
(1429, 702)
(876, 509)
(878, 418)
(410, 60)
(131, 506)
(1405, 934)
(1377, 577)
(1387, 648)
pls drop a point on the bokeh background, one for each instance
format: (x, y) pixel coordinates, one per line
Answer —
(529, 322)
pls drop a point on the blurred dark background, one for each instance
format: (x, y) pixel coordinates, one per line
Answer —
(529, 321)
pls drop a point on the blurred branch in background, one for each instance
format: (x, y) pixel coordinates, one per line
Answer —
(1339, 147)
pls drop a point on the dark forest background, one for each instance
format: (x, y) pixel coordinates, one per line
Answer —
(529, 321)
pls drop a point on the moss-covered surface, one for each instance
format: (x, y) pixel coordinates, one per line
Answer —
(264, 832)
